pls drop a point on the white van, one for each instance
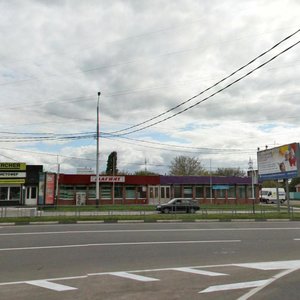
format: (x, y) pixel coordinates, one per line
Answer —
(269, 195)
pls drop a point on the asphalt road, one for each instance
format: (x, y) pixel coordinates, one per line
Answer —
(211, 260)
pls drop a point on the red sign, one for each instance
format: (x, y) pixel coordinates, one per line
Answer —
(50, 188)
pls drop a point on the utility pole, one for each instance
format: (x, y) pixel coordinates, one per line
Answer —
(97, 154)
(210, 182)
(113, 183)
(57, 180)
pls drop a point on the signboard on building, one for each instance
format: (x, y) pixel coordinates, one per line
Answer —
(279, 163)
(85, 170)
(41, 188)
(109, 178)
(12, 173)
(49, 188)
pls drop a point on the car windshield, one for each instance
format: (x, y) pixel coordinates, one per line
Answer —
(172, 201)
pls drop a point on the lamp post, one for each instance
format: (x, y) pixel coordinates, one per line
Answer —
(97, 154)
(252, 184)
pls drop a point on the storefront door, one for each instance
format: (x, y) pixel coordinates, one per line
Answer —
(159, 194)
(31, 195)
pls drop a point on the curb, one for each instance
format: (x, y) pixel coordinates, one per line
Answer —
(143, 221)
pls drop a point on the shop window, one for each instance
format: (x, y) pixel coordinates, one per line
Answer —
(119, 191)
(177, 191)
(199, 192)
(208, 192)
(187, 192)
(162, 192)
(222, 193)
(232, 192)
(249, 192)
(66, 192)
(4, 193)
(14, 193)
(105, 192)
(92, 192)
(168, 192)
(142, 192)
(10, 193)
(242, 192)
(130, 192)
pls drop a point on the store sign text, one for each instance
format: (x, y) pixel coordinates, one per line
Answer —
(109, 178)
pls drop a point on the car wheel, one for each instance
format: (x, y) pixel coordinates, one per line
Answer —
(166, 210)
(192, 210)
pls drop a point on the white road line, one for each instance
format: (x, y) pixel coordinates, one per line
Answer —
(286, 264)
(133, 276)
(199, 272)
(234, 286)
(120, 244)
(273, 265)
(259, 288)
(147, 230)
(51, 285)
(296, 239)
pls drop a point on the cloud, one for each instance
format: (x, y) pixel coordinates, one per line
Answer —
(145, 58)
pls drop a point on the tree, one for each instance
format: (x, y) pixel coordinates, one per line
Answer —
(229, 172)
(111, 168)
(293, 183)
(184, 165)
(145, 173)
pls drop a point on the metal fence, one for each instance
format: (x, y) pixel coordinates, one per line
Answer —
(15, 212)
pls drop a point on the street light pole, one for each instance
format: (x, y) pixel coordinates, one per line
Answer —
(97, 154)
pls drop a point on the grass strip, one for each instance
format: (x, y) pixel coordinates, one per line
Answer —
(152, 218)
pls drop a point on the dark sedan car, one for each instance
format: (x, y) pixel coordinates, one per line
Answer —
(179, 205)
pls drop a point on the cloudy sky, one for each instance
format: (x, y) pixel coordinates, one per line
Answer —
(151, 61)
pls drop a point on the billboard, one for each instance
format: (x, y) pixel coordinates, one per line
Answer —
(12, 173)
(279, 163)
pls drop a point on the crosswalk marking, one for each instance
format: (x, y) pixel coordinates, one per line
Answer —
(51, 285)
(134, 276)
(235, 286)
(200, 272)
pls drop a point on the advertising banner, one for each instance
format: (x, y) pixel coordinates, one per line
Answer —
(50, 188)
(279, 163)
(41, 188)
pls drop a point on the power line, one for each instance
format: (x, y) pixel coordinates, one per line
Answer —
(203, 100)
(180, 146)
(212, 86)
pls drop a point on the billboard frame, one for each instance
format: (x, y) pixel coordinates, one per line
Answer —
(281, 162)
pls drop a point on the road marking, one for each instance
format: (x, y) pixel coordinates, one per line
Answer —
(146, 230)
(296, 239)
(235, 286)
(200, 272)
(273, 265)
(51, 285)
(259, 288)
(120, 244)
(286, 265)
(133, 276)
